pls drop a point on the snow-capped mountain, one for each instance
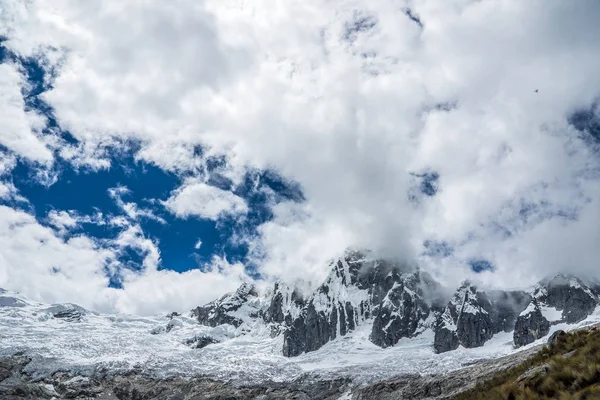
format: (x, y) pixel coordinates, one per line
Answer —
(560, 299)
(358, 291)
(371, 319)
(392, 302)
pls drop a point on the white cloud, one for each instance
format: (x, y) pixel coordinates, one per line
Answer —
(133, 237)
(198, 244)
(18, 129)
(346, 119)
(167, 290)
(62, 220)
(195, 198)
(46, 267)
(131, 210)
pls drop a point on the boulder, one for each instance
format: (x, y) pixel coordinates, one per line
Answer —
(532, 374)
(555, 337)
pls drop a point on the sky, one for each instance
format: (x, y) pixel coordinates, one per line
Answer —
(155, 155)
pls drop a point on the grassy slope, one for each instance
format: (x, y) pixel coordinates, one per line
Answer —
(576, 376)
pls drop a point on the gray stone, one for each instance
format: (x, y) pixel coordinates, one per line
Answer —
(218, 312)
(572, 296)
(401, 313)
(396, 301)
(201, 341)
(530, 327)
(533, 374)
(466, 320)
(555, 337)
(445, 340)
(570, 354)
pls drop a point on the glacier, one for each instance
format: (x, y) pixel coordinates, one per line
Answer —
(70, 338)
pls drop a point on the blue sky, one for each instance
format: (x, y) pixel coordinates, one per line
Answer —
(154, 161)
(184, 243)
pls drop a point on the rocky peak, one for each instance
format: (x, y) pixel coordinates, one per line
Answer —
(403, 312)
(530, 325)
(464, 321)
(233, 308)
(358, 289)
(397, 301)
(472, 317)
(562, 298)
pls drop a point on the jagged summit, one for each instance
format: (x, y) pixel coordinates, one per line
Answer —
(473, 317)
(232, 308)
(366, 309)
(369, 319)
(358, 289)
(395, 301)
(562, 298)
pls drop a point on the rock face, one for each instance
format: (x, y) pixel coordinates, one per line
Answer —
(357, 289)
(68, 312)
(563, 298)
(472, 317)
(201, 342)
(556, 337)
(397, 301)
(230, 309)
(403, 311)
(285, 300)
(530, 326)
(570, 295)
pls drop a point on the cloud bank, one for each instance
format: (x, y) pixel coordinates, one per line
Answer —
(360, 103)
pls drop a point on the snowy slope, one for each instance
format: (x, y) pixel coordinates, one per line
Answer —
(125, 342)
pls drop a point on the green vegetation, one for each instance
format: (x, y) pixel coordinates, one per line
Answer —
(569, 369)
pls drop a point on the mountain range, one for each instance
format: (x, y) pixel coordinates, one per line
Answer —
(369, 321)
(397, 302)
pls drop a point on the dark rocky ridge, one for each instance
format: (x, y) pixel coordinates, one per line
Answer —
(218, 312)
(400, 301)
(568, 294)
(472, 317)
(357, 290)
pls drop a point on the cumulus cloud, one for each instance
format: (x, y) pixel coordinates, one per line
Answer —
(37, 261)
(166, 290)
(7, 189)
(132, 210)
(351, 100)
(62, 220)
(19, 130)
(195, 198)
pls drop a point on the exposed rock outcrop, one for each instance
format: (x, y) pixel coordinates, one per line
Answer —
(231, 308)
(357, 289)
(556, 337)
(570, 295)
(398, 302)
(563, 298)
(406, 309)
(472, 317)
(201, 341)
(531, 325)
(68, 312)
